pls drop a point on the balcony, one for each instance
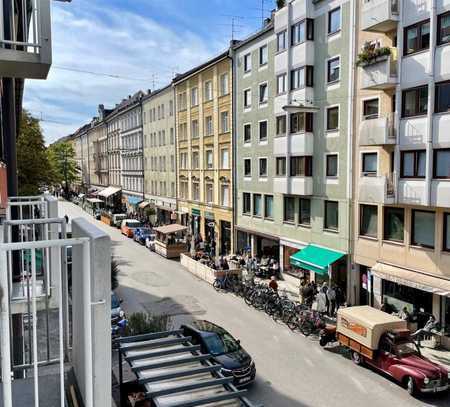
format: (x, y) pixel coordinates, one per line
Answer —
(379, 15)
(440, 193)
(293, 185)
(377, 131)
(412, 192)
(27, 51)
(380, 73)
(377, 189)
(295, 144)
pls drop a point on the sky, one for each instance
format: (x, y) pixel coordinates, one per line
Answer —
(141, 44)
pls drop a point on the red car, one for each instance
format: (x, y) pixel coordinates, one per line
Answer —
(399, 357)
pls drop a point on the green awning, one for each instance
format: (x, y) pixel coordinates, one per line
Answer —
(315, 258)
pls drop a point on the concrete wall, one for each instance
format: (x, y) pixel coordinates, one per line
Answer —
(100, 249)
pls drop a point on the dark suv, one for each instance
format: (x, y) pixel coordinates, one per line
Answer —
(225, 350)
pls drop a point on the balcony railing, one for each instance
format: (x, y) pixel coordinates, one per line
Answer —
(377, 189)
(379, 15)
(377, 131)
(25, 38)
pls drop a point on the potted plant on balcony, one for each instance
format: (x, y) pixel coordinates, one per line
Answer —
(371, 53)
(280, 4)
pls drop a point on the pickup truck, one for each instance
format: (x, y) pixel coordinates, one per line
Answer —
(383, 342)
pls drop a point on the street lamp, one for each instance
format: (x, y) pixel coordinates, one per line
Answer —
(300, 106)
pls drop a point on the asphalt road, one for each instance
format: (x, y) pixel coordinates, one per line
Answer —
(292, 371)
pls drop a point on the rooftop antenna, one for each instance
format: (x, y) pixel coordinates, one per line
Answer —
(233, 24)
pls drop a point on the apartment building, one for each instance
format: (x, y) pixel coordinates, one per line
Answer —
(402, 157)
(96, 136)
(113, 129)
(160, 153)
(131, 151)
(79, 142)
(297, 194)
(204, 153)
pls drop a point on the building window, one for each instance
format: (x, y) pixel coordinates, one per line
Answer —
(194, 97)
(331, 215)
(301, 122)
(370, 109)
(415, 101)
(257, 210)
(332, 118)
(195, 160)
(394, 220)
(368, 220)
(289, 209)
(224, 85)
(304, 212)
(196, 191)
(263, 55)
(443, 29)
(280, 166)
(369, 163)
(246, 203)
(263, 93)
(333, 72)
(183, 160)
(194, 129)
(209, 193)
(247, 98)
(263, 167)
(247, 63)
(224, 159)
(422, 233)
(334, 20)
(209, 159)
(263, 131)
(413, 164)
(247, 133)
(301, 166)
(225, 195)
(417, 37)
(224, 122)
(302, 31)
(446, 245)
(281, 125)
(208, 91)
(442, 97)
(268, 206)
(209, 125)
(441, 163)
(281, 84)
(281, 41)
(300, 79)
(247, 167)
(332, 165)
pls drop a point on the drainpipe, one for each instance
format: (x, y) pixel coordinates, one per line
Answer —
(430, 109)
(350, 140)
(234, 144)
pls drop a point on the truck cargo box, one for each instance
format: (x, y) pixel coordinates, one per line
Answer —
(365, 324)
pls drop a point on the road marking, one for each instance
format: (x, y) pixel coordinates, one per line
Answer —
(358, 384)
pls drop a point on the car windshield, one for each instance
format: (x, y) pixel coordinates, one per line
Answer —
(115, 303)
(406, 349)
(133, 224)
(220, 344)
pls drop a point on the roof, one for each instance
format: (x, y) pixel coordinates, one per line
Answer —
(94, 200)
(315, 258)
(107, 192)
(368, 316)
(267, 28)
(181, 77)
(173, 228)
(156, 92)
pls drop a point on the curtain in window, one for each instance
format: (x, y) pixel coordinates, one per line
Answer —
(369, 220)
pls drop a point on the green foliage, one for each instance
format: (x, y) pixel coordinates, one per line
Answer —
(280, 3)
(149, 211)
(370, 52)
(33, 166)
(64, 166)
(143, 323)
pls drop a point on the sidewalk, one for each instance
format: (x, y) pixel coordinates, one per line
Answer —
(440, 355)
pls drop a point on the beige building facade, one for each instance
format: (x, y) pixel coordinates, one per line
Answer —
(204, 151)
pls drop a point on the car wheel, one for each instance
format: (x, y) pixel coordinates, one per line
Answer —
(357, 358)
(411, 386)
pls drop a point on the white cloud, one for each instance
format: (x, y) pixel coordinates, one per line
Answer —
(112, 41)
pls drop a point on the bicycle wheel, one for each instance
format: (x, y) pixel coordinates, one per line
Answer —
(292, 322)
(306, 327)
(217, 284)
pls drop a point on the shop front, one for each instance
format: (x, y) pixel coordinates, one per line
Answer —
(164, 214)
(195, 222)
(132, 203)
(258, 243)
(319, 264)
(112, 198)
(225, 237)
(421, 294)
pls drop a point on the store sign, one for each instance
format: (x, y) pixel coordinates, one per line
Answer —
(209, 215)
(195, 211)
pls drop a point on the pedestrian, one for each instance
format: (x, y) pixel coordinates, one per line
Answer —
(340, 298)
(331, 296)
(429, 328)
(66, 218)
(273, 283)
(321, 300)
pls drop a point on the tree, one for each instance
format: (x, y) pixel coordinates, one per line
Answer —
(280, 3)
(64, 166)
(143, 323)
(33, 166)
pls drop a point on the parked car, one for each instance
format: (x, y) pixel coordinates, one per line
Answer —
(141, 234)
(225, 350)
(383, 342)
(128, 227)
(150, 242)
(117, 219)
(97, 214)
(116, 310)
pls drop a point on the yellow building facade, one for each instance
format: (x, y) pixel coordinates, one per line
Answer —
(204, 151)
